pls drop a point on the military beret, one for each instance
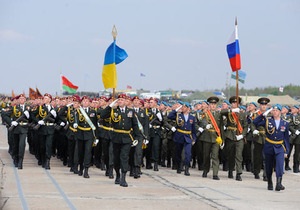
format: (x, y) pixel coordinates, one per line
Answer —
(263, 100)
(187, 104)
(154, 99)
(243, 107)
(122, 95)
(226, 102)
(180, 102)
(135, 97)
(205, 101)
(103, 98)
(85, 97)
(48, 95)
(233, 99)
(76, 98)
(253, 103)
(277, 106)
(165, 103)
(22, 95)
(146, 100)
(142, 102)
(213, 99)
(296, 106)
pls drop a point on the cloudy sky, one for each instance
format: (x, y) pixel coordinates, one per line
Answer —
(177, 44)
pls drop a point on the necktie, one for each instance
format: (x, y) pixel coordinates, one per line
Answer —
(153, 110)
(136, 110)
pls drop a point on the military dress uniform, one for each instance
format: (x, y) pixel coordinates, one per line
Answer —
(20, 129)
(276, 145)
(234, 138)
(295, 138)
(210, 125)
(124, 132)
(184, 137)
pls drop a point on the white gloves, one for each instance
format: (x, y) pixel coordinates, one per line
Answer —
(248, 130)
(297, 132)
(75, 125)
(150, 125)
(255, 132)
(173, 129)
(134, 143)
(113, 103)
(177, 109)
(200, 129)
(267, 112)
(26, 114)
(14, 123)
(224, 128)
(41, 122)
(96, 142)
(290, 133)
(239, 137)
(62, 124)
(222, 145)
(53, 112)
(145, 141)
(68, 105)
(208, 126)
(235, 110)
(158, 114)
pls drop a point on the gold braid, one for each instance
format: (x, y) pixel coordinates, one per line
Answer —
(81, 117)
(42, 112)
(267, 129)
(113, 118)
(179, 122)
(16, 112)
(69, 117)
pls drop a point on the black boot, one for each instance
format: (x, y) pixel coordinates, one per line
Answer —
(296, 168)
(117, 180)
(123, 182)
(136, 172)
(47, 164)
(178, 169)
(270, 184)
(86, 173)
(75, 169)
(155, 166)
(287, 167)
(186, 171)
(230, 174)
(238, 177)
(110, 172)
(16, 162)
(20, 163)
(279, 186)
(80, 172)
(204, 175)
(131, 171)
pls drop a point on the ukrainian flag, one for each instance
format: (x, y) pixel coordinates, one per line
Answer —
(113, 56)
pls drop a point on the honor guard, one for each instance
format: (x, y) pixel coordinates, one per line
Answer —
(277, 144)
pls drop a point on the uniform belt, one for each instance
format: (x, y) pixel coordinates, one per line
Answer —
(156, 126)
(123, 131)
(49, 124)
(231, 128)
(262, 132)
(211, 130)
(105, 127)
(73, 129)
(274, 142)
(84, 129)
(23, 123)
(184, 131)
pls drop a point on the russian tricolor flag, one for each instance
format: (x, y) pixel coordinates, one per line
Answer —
(233, 50)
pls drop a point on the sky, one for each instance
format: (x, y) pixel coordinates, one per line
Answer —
(177, 44)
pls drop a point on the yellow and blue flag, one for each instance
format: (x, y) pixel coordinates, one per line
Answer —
(113, 56)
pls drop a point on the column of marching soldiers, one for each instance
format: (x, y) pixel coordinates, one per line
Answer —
(129, 134)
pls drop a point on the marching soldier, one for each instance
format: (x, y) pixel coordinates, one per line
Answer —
(45, 116)
(211, 137)
(277, 144)
(234, 137)
(18, 118)
(295, 137)
(184, 135)
(125, 133)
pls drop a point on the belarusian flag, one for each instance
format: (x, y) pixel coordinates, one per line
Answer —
(68, 86)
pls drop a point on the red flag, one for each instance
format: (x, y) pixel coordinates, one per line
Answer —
(68, 86)
(129, 87)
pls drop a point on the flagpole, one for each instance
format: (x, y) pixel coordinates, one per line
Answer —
(61, 90)
(114, 33)
(237, 71)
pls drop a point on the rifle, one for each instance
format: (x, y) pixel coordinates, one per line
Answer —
(22, 117)
(48, 117)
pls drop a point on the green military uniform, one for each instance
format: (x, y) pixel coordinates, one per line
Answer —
(295, 138)
(234, 138)
(208, 137)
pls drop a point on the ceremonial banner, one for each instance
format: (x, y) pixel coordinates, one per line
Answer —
(68, 86)
(113, 56)
(233, 50)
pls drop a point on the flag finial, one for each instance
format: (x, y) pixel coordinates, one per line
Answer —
(236, 21)
(114, 32)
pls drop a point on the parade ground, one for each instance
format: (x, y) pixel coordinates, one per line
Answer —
(36, 188)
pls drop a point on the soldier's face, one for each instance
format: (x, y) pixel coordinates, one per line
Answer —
(121, 102)
(22, 100)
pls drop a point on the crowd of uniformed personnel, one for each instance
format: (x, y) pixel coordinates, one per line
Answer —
(128, 134)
